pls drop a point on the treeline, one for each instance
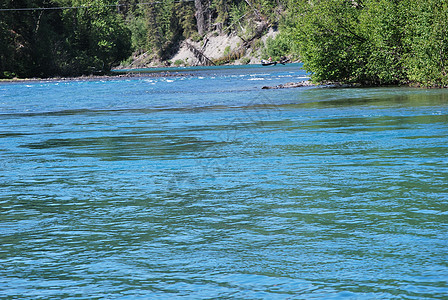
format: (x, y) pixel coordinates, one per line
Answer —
(61, 42)
(159, 27)
(74, 37)
(373, 42)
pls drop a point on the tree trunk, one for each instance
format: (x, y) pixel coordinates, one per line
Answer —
(201, 16)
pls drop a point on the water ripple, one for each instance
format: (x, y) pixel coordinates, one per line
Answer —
(305, 193)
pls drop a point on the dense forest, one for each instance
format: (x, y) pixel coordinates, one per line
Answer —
(74, 37)
(366, 41)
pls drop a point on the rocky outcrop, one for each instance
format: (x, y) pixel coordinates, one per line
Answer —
(213, 48)
(289, 85)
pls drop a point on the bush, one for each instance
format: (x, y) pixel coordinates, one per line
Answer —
(374, 41)
(426, 60)
(226, 51)
(245, 60)
(277, 47)
(178, 62)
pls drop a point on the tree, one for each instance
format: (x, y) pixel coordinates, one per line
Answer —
(374, 41)
(24, 38)
(427, 59)
(61, 42)
(202, 15)
(96, 38)
(330, 41)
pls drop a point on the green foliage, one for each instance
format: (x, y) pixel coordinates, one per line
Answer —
(366, 41)
(167, 23)
(178, 62)
(427, 58)
(266, 7)
(245, 60)
(138, 28)
(61, 42)
(237, 12)
(329, 45)
(227, 51)
(221, 9)
(8, 75)
(96, 38)
(24, 39)
(184, 12)
(278, 47)
(373, 41)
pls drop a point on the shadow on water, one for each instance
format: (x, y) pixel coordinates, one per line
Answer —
(126, 147)
(300, 193)
(144, 100)
(388, 96)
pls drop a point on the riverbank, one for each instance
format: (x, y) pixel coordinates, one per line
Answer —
(117, 75)
(308, 83)
(109, 76)
(174, 73)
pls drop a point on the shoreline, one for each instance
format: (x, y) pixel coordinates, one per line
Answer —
(118, 74)
(109, 76)
(289, 85)
(308, 83)
(121, 73)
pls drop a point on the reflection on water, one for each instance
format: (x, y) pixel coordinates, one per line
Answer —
(208, 187)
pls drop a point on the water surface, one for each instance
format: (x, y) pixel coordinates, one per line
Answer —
(203, 186)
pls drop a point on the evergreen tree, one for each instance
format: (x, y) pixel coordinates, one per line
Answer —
(60, 42)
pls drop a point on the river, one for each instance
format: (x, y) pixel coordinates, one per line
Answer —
(201, 185)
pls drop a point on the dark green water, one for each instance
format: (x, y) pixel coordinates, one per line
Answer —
(205, 187)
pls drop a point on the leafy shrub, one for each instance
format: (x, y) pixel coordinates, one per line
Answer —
(245, 60)
(178, 62)
(374, 41)
(276, 47)
(227, 51)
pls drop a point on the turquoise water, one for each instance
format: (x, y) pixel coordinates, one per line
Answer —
(203, 186)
